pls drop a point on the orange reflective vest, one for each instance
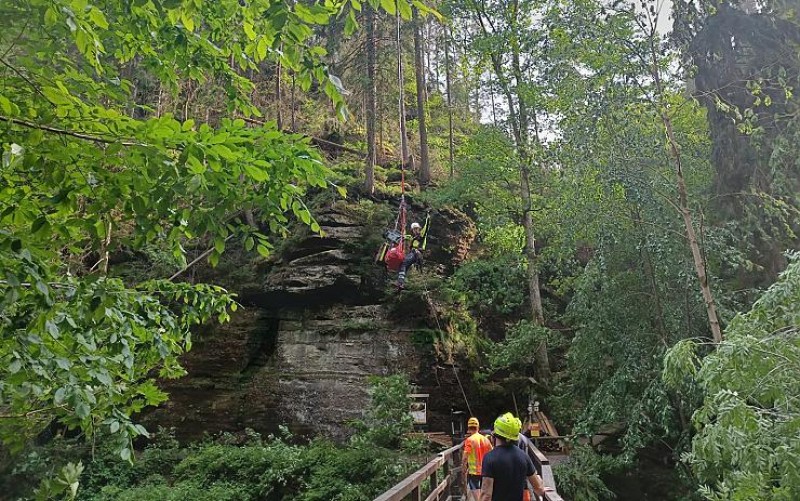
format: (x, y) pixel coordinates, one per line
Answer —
(475, 447)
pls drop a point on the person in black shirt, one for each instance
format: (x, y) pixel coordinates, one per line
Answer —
(506, 468)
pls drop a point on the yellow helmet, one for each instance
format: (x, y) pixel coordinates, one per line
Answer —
(473, 423)
(507, 426)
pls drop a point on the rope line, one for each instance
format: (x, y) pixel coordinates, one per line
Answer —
(401, 112)
(439, 326)
(402, 216)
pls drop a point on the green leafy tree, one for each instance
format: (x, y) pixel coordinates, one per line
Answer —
(746, 446)
(388, 419)
(90, 167)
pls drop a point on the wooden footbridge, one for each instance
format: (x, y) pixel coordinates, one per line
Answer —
(440, 479)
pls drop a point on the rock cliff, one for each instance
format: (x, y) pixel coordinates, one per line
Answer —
(315, 325)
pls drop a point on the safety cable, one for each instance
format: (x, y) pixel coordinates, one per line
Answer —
(401, 116)
(439, 326)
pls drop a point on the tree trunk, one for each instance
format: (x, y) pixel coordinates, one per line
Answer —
(494, 108)
(683, 199)
(697, 256)
(294, 104)
(521, 116)
(524, 118)
(426, 49)
(437, 59)
(369, 183)
(448, 89)
(279, 94)
(537, 312)
(419, 69)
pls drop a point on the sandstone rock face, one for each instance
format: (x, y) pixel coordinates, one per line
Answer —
(301, 351)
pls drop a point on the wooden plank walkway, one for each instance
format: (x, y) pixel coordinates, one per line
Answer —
(439, 478)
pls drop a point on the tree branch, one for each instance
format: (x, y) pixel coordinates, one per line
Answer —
(64, 132)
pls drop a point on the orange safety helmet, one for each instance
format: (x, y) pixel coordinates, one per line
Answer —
(473, 423)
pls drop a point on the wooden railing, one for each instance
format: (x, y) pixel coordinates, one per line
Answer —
(542, 465)
(443, 472)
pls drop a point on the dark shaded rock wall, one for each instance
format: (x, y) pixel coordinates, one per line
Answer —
(301, 351)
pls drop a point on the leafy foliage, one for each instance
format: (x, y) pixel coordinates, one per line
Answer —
(521, 339)
(484, 283)
(387, 419)
(746, 444)
(232, 468)
(91, 166)
(580, 476)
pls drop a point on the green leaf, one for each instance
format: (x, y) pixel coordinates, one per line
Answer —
(389, 6)
(195, 165)
(261, 48)
(258, 175)
(82, 410)
(248, 30)
(249, 243)
(405, 9)
(104, 378)
(8, 107)
(125, 454)
(51, 329)
(311, 13)
(14, 366)
(350, 24)
(56, 96)
(187, 20)
(114, 426)
(224, 152)
(38, 224)
(50, 17)
(12, 279)
(219, 245)
(98, 18)
(263, 250)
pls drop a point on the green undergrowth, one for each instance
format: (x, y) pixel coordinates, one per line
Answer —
(580, 476)
(254, 468)
(350, 175)
(239, 467)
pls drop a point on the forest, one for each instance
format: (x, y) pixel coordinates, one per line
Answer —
(626, 173)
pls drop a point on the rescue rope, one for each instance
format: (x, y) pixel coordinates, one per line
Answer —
(401, 116)
(453, 365)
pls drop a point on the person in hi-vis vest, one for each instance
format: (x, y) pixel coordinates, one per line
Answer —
(475, 447)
